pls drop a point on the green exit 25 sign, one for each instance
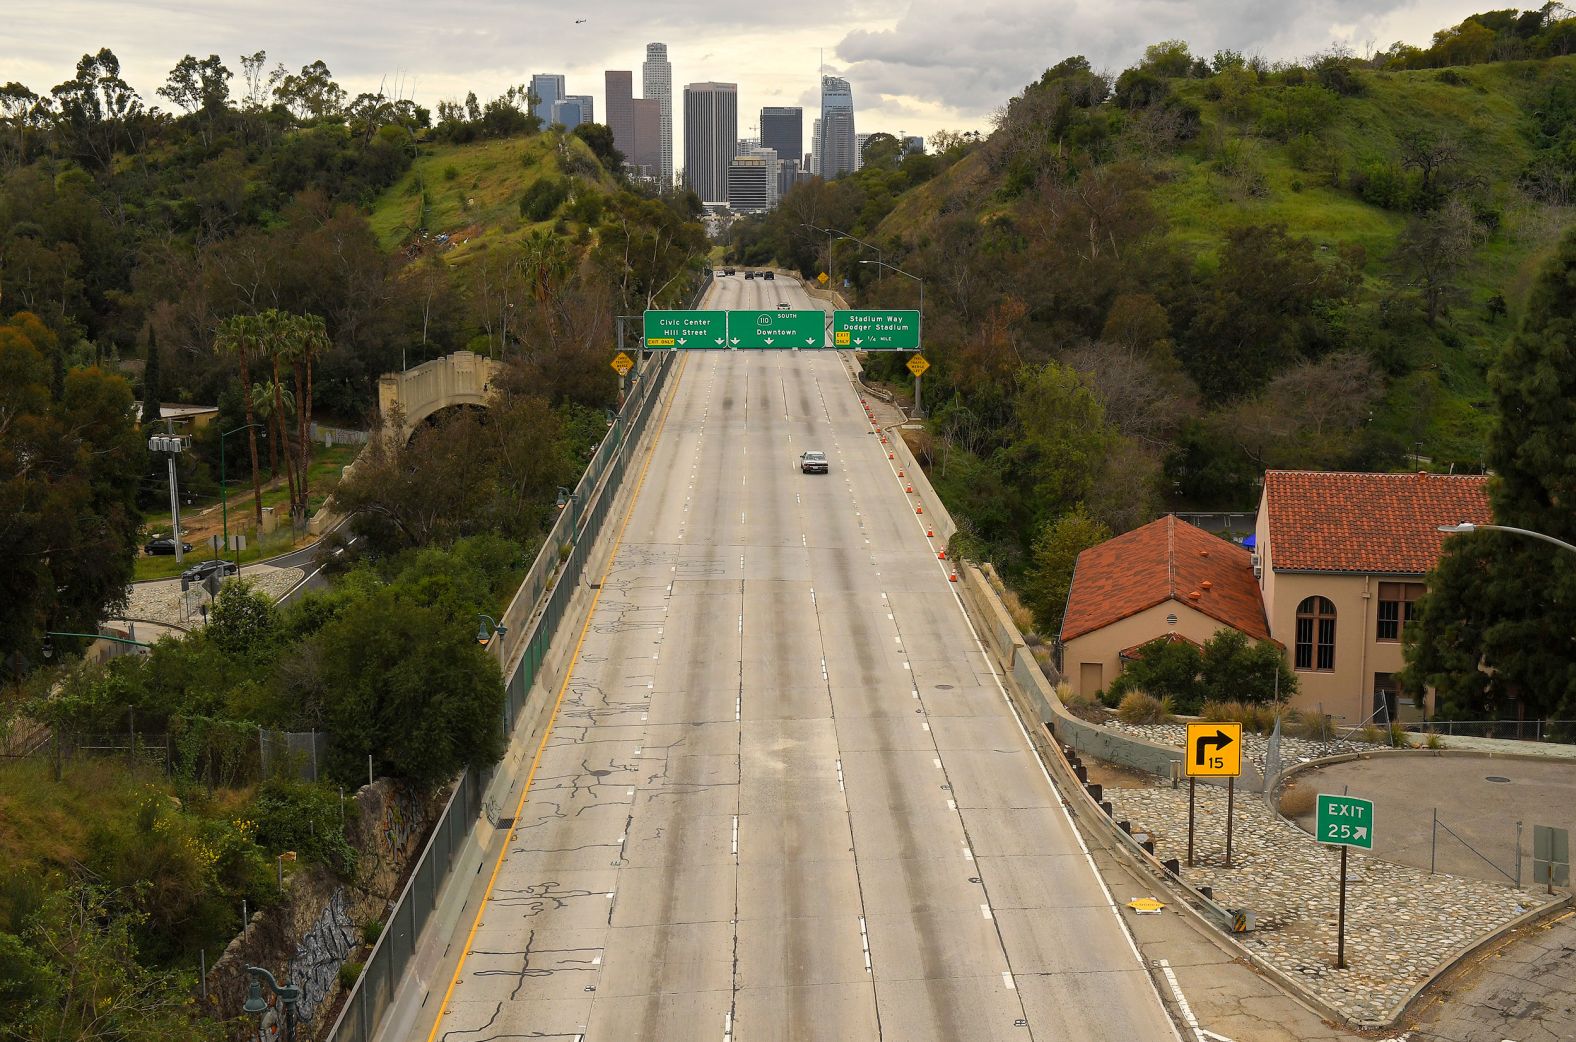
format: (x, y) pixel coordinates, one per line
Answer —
(1345, 821)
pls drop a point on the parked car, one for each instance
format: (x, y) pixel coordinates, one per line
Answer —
(198, 572)
(164, 546)
(813, 463)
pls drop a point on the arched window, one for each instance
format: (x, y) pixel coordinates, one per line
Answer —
(1316, 634)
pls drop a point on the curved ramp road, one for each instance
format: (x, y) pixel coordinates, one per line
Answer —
(783, 797)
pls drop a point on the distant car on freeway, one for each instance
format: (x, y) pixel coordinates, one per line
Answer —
(769, 276)
(728, 271)
(783, 306)
(749, 274)
(164, 546)
(813, 463)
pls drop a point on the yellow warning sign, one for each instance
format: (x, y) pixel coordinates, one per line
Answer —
(842, 338)
(823, 278)
(622, 364)
(1214, 750)
(917, 365)
(1146, 905)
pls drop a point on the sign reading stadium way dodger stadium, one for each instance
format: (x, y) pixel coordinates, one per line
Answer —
(870, 329)
(876, 329)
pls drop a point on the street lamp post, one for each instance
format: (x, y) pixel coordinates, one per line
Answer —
(485, 638)
(1468, 527)
(174, 445)
(841, 235)
(287, 994)
(224, 491)
(918, 409)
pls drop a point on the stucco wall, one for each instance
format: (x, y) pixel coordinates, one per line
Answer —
(1106, 644)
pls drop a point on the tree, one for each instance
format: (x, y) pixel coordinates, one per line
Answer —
(152, 389)
(243, 620)
(96, 107)
(69, 470)
(408, 685)
(1432, 253)
(1495, 626)
(1163, 668)
(1233, 668)
(1050, 572)
(599, 138)
(1064, 437)
(241, 335)
(882, 151)
(313, 96)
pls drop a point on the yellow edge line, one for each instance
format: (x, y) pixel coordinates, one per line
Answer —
(557, 704)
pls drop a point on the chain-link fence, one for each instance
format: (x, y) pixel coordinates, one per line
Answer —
(1517, 730)
(532, 619)
(301, 753)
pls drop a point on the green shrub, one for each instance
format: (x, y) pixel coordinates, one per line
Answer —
(372, 929)
(450, 172)
(1435, 741)
(1314, 727)
(1371, 734)
(349, 973)
(543, 198)
(1140, 708)
(303, 817)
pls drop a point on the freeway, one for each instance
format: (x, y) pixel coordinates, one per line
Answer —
(783, 796)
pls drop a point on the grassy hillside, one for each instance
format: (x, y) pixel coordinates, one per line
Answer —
(472, 192)
(1240, 166)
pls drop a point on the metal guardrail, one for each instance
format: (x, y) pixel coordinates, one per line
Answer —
(534, 616)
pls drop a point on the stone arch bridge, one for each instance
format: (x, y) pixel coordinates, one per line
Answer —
(410, 397)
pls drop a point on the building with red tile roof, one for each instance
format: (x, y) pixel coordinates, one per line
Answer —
(1340, 559)
(1166, 579)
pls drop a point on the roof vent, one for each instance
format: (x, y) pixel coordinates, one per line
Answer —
(1203, 553)
(1195, 595)
(1171, 620)
(1206, 584)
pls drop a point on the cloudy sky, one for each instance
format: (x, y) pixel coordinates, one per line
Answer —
(915, 66)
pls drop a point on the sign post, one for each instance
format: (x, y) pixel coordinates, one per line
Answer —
(1344, 821)
(918, 365)
(1213, 751)
(666, 330)
(622, 364)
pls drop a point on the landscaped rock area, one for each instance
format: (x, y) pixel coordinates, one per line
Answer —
(1401, 922)
(1255, 746)
(161, 601)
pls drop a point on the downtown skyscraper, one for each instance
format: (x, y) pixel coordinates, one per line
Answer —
(619, 98)
(656, 83)
(711, 137)
(836, 149)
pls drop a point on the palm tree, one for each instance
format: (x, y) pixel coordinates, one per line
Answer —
(240, 335)
(310, 340)
(276, 345)
(263, 402)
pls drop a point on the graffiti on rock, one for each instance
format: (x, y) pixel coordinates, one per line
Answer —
(315, 968)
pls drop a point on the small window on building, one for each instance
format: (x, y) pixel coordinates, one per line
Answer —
(1315, 635)
(1397, 608)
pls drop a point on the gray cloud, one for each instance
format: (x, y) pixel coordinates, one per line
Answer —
(933, 63)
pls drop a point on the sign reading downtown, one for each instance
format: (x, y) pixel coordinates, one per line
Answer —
(862, 330)
(874, 329)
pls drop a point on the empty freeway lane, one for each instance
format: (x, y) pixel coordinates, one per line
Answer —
(783, 797)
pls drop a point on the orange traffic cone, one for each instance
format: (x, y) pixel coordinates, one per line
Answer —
(889, 455)
(941, 556)
(909, 489)
(954, 577)
(900, 472)
(919, 510)
(929, 532)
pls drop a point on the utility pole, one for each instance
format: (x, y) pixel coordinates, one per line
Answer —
(174, 445)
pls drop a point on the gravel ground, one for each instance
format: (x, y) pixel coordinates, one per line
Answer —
(1401, 922)
(161, 601)
(1256, 746)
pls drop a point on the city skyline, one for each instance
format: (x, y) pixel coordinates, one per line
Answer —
(927, 68)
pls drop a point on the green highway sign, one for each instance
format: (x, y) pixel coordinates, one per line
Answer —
(776, 329)
(686, 330)
(876, 329)
(1345, 821)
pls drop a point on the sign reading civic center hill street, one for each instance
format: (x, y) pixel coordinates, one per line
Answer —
(876, 329)
(1345, 821)
(686, 330)
(777, 329)
(1214, 750)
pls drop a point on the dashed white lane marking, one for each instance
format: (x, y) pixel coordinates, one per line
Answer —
(937, 761)
(735, 835)
(985, 911)
(1182, 1005)
(1006, 979)
(968, 855)
(864, 939)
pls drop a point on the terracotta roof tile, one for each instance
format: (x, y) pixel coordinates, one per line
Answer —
(1385, 524)
(1164, 559)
